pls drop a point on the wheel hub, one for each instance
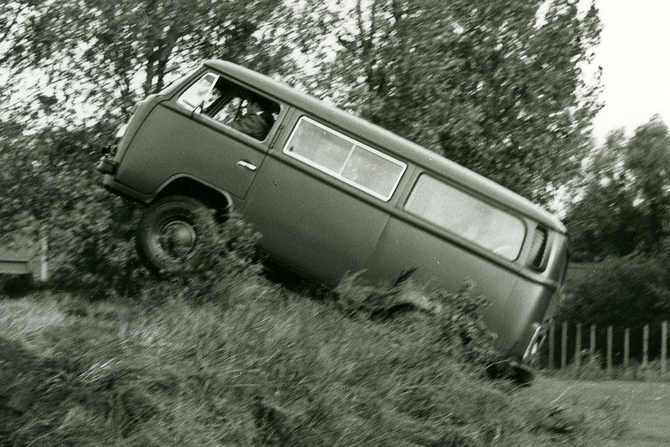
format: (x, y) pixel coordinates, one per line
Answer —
(178, 238)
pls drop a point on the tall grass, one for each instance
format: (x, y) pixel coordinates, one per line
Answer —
(266, 368)
(228, 358)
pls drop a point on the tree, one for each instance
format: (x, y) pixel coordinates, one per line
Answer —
(497, 86)
(625, 199)
(99, 57)
(648, 161)
(12, 16)
(604, 221)
(111, 53)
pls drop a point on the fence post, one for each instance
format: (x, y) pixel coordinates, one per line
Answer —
(578, 346)
(609, 350)
(44, 263)
(645, 347)
(564, 344)
(626, 348)
(592, 340)
(664, 346)
(552, 336)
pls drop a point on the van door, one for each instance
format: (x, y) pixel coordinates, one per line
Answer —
(214, 132)
(322, 203)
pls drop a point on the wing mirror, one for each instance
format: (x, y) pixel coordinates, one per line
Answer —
(199, 108)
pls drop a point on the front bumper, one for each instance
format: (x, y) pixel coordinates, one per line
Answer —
(107, 165)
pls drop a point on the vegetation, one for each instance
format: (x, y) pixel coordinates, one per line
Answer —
(625, 198)
(106, 355)
(494, 85)
(251, 363)
(502, 93)
(497, 86)
(625, 292)
(620, 220)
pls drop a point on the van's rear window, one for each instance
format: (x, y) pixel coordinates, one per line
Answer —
(344, 158)
(467, 216)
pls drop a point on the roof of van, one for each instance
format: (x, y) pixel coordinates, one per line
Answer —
(377, 136)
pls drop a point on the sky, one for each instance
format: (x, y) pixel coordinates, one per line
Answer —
(634, 54)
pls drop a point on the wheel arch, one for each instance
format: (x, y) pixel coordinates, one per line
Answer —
(188, 186)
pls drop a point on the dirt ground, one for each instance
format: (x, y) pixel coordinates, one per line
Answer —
(646, 405)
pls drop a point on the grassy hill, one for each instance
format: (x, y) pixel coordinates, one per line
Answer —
(251, 363)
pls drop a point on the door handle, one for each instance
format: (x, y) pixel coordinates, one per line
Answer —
(246, 165)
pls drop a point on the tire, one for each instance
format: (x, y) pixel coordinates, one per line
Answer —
(171, 234)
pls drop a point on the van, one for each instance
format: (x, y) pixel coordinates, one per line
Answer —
(332, 193)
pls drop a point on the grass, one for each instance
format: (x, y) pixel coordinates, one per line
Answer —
(256, 366)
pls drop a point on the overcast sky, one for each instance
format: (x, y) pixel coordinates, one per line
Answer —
(635, 57)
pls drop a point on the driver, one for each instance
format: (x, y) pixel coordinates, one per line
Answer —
(257, 120)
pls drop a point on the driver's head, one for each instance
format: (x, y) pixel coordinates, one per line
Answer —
(253, 106)
(256, 104)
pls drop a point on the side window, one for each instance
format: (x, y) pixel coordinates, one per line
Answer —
(231, 104)
(467, 217)
(344, 158)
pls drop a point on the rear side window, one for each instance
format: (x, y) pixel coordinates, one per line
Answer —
(344, 158)
(467, 216)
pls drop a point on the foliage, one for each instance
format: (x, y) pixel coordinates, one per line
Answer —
(623, 292)
(52, 191)
(90, 232)
(228, 255)
(626, 196)
(93, 59)
(13, 14)
(455, 318)
(497, 86)
(263, 368)
(648, 161)
(73, 70)
(487, 82)
(604, 221)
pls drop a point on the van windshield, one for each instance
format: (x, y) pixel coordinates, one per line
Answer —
(468, 217)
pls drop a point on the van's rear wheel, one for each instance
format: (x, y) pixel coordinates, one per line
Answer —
(171, 233)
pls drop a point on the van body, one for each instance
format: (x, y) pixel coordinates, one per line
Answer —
(332, 193)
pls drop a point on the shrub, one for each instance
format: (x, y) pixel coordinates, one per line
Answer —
(16, 285)
(95, 253)
(453, 319)
(99, 257)
(624, 292)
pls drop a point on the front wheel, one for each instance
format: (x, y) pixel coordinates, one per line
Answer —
(171, 233)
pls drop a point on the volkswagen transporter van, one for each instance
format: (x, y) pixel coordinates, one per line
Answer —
(331, 193)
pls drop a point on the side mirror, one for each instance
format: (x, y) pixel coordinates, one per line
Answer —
(199, 108)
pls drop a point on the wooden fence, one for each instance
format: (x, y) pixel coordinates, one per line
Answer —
(577, 340)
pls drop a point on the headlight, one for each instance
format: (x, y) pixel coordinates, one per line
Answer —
(121, 132)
